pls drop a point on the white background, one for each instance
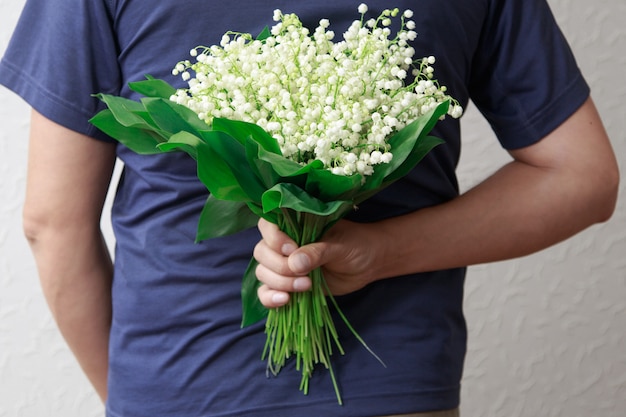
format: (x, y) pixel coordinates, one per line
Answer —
(547, 332)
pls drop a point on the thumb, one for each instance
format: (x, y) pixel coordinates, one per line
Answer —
(307, 258)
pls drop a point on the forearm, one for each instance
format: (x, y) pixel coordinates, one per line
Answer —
(75, 271)
(518, 211)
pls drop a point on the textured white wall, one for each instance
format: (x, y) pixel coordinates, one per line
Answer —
(547, 332)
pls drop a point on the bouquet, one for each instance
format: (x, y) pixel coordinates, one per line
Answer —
(295, 128)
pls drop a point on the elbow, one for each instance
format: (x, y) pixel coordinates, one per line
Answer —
(611, 194)
(39, 224)
(33, 226)
(606, 193)
(38, 230)
(65, 250)
(50, 226)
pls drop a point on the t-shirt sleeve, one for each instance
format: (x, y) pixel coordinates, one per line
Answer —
(60, 54)
(524, 77)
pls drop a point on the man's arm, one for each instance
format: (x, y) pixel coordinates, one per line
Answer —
(68, 178)
(549, 192)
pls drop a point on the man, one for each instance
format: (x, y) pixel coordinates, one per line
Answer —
(158, 333)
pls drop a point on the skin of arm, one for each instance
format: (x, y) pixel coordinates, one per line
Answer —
(67, 181)
(550, 191)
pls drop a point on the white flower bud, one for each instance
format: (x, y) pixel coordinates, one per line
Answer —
(273, 126)
(386, 158)
(375, 157)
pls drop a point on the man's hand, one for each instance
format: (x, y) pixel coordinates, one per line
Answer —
(347, 253)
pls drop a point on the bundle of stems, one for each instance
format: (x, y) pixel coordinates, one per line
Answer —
(304, 327)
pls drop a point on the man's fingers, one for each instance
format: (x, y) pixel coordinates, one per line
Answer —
(279, 282)
(272, 298)
(275, 239)
(271, 259)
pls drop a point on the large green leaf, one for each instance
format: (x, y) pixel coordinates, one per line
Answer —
(286, 167)
(183, 141)
(257, 209)
(233, 155)
(328, 187)
(408, 146)
(244, 130)
(223, 218)
(212, 170)
(412, 143)
(127, 112)
(153, 87)
(252, 309)
(140, 140)
(421, 149)
(290, 196)
(262, 169)
(173, 117)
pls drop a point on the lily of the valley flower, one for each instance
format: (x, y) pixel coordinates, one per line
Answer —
(320, 99)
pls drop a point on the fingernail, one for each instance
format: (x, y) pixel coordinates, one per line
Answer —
(300, 263)
(301, 284)
(280, 298)
(288, 249)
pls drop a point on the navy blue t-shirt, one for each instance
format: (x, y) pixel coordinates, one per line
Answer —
(176, 346)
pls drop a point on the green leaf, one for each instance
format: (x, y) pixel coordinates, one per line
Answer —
(288, 170)
(127, 112)
(232, 154)
(262, 169)
(141, 141)
(252, 309)
(327, 186)
(223, 218)
(212, 169)
(285, 195)
(257, 209)
(153, 87)
(183, 141)
(423, 147)
(408, 146)
(173, 117)
(265, 33)
(244, 130)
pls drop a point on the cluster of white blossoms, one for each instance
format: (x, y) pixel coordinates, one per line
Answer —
(336, 102)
